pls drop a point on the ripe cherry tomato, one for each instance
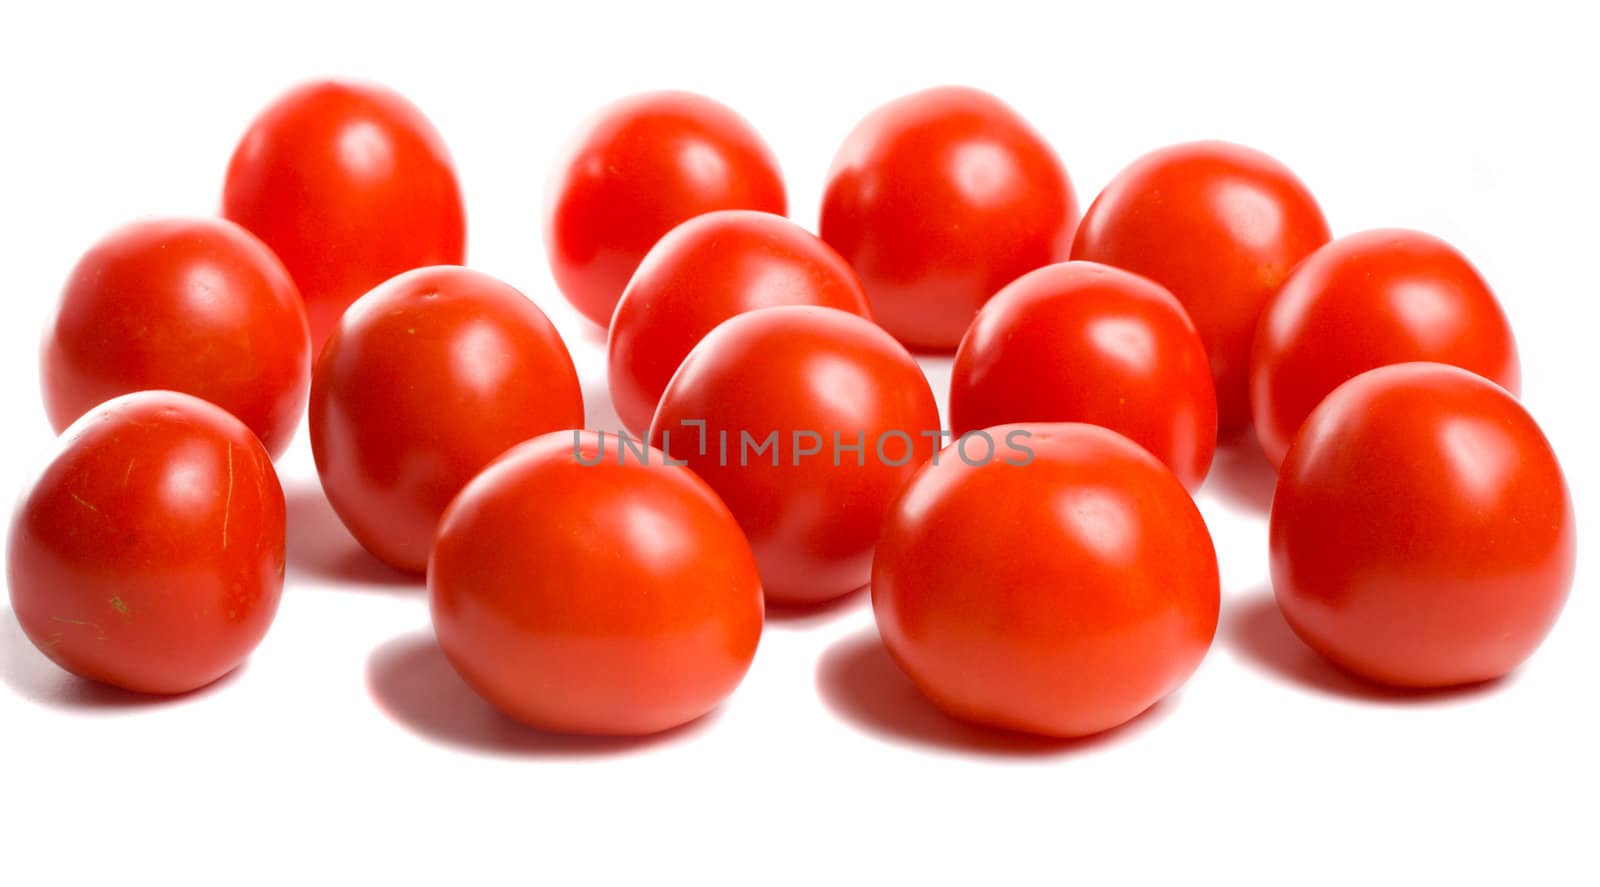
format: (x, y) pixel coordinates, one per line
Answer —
(939, 199)
(149, 554)
(1218, 225)
(1081, 342)
(1421, 531)
(426, 379)
(350, 185)
(193, 305)
(633, 172)
(583, 589)
(703, 272)
(1062, 596)
(845, 415)
(1364, 301)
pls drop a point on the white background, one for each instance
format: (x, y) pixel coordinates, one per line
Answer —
(346, 747)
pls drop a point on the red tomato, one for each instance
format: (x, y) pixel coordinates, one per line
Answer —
(1364, 301)
(703, 272)
(1081, 342)
(939, 199)
(351, 185)
(634, 171)
(1421, 531)
(426, 379)
(1062, 596)
(1218, 225)
(585, 590)
(809, 383)
(149, 554)
(193, 305)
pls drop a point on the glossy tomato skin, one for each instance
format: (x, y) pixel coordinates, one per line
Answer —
(582, 588)
(1422, 533)
(703, 272)
(350, 185)
(939, 199)
(197, 305)
(633, 172)
(794, 372)
(1083, 342)
(1060, 597)
(1365, 301)
(149, 554)
(1220, 226)
(427, 379)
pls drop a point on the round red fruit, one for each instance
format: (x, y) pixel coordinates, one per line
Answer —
(633, 172)
(703, 272)
(582, 589)
(149, 553)
(1421, 531)
(939, 199)
(1062, 593)
(425, 380)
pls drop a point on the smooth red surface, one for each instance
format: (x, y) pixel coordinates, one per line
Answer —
(703, 272)
(794, 369)
(608, 598)
(633, 172)
(427, 379)
(197, 305)
(940, 198)
(350, 185)
(149, 553)
(1365, 301)
(1082, 342)
(1422, 533)
(1218, 225)
(1061, 597)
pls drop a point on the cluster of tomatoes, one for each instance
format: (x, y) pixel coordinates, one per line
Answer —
(1039, 566)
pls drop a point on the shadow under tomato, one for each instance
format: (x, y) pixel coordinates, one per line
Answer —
(319, 545)
(1241, 474)
(412, 682)
(1254, 628)
(807, 615)
(860, 683)
(32, 676)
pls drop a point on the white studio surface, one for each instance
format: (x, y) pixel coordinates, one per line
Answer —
(346, 750)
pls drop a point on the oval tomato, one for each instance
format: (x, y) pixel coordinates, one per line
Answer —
(703, 272)
(586, 593)
(1062, 594)
(1218, 225)
(1081, 342)
(1364, 301)
(350, 185)
(633, 172)
(940, 198)
(149, 553)
(425, 380)
(1422, 534)
(812, 419)
(193, 305)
